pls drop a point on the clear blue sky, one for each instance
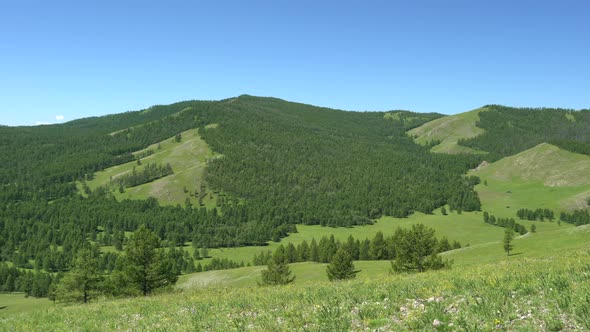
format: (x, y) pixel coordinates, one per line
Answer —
(82, 58)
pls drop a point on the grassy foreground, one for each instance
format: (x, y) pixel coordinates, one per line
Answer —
(531, 294)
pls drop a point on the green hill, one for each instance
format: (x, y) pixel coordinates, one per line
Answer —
(552, 166)
(542, 177)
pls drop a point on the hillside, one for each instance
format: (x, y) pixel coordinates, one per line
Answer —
(544, 176)
(509, 130)
(448, 131)
(552, 166)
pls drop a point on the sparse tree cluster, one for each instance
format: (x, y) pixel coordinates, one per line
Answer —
(143, 268)
(504, 222)
(577, 217)
(538, 214)
(149, 173)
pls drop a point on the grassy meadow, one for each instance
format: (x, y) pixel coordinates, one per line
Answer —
(518, 293)
(16, 303)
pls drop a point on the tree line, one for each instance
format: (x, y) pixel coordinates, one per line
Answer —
(380, 247)
(538, 214)
(149, 173)
(577, 217)
(415, 249)
(504, 222)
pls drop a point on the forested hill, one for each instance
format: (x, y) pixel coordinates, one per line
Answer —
(283, 163)
(509, 130)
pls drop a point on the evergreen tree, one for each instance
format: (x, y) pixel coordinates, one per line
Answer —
(314, 253)
(508, 237)
(416, 250)
(278, 271)
(378, 248)
(82, 283)
(364, 254)
(204, 252)
(341, 266)
(147, 268)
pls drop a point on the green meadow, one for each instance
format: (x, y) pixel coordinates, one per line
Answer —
(16, 303)
(518, 293)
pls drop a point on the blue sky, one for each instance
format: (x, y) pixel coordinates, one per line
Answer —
(61, 60)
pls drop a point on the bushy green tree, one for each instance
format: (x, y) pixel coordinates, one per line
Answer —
(416, 251)
(341, 266)
(278, 271)
(146, 266)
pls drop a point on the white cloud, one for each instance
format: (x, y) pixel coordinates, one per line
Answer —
(39, 123)
(59, 117)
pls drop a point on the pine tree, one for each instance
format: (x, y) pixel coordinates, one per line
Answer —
(341, 266)
(508, 237)
(147, 267)
(278, 271)
(82, 282)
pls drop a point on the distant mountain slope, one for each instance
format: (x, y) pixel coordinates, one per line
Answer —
(448, 131)
(553, 166)
(509, 130)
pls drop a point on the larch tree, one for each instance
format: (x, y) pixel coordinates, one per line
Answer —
(341, 266)
(277, 271)
(146, 266)
(508, 237)
(83, 281)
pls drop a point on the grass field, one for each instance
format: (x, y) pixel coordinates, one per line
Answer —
(17, 303)
(449, 130)
(188, 159)
(518, 293)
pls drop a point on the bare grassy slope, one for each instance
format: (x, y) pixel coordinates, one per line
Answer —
(553, 166)
(449, 130)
